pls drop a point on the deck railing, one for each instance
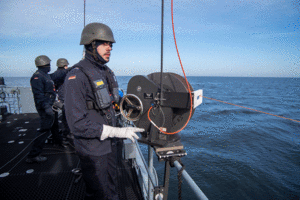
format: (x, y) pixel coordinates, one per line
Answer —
(198, 192)
(10, 99)
(152, 180)
(16, 100)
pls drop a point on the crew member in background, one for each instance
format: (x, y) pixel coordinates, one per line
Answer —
(90, 89)
(59, 77)
(43, 90)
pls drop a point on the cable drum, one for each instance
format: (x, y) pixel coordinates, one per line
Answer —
(174, 88)
(169, 111)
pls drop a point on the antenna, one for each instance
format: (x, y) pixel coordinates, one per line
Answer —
(162, 52)
(83, 53)
(83, 13)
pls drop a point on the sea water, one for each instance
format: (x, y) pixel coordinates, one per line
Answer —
(233, 152)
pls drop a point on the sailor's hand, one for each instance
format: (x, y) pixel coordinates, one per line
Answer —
(125, 132)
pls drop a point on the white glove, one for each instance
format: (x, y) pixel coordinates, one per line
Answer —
(125, 132)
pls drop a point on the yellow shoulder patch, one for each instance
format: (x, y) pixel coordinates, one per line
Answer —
(72, 77)
(100, 83)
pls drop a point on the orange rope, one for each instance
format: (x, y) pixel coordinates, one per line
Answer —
(189, 89)
(251, 109)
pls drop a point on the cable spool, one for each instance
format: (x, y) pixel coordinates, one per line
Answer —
(170, 113)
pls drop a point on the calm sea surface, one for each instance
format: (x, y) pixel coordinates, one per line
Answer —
(236, 153)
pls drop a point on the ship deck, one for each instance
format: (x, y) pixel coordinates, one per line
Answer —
(53, 179)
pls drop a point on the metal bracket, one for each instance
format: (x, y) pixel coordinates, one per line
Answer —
(158, 193)
(170, 152)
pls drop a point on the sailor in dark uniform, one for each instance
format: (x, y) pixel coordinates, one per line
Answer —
(59, 77)
(91, 89)
(44, 95)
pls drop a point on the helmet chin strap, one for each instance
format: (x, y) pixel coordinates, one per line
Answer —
(94, 53)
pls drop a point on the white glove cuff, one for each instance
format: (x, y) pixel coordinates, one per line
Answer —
(105, 132)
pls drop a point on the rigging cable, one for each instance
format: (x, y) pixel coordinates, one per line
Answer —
(188, 86)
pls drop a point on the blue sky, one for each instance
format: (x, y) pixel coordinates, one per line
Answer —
(248, 38)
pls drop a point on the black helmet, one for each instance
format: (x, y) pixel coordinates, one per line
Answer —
(96, 31)
(62, 62)
(42, 61)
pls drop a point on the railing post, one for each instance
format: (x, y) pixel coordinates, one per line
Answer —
(18, 93)
(150, 167)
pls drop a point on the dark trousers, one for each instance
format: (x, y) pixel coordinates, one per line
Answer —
(100, 175)
(46, 122)
(65, 127)
(57, 138)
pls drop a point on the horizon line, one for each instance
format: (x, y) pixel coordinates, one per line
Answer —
(186, 76)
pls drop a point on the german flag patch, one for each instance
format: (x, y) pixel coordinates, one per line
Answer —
(72, 77)
(36, 78)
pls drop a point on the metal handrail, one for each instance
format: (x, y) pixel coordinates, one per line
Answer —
(200, 195)
(154, 183)
(8, 96)
(150, 174)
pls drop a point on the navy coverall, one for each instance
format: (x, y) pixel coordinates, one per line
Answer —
(44, 95)
(98, 158)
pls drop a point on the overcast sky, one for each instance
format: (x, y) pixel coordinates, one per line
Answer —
(214, 37)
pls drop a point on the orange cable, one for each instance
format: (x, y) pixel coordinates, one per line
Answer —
(251, 109)
(190, 93)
